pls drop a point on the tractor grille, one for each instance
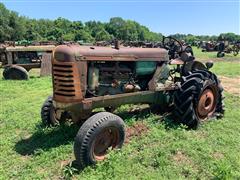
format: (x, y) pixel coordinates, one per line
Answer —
(65, 81)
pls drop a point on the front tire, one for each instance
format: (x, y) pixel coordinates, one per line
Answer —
(100, 132)
(48, 115)
(198, 98)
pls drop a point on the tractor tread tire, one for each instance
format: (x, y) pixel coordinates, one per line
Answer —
(186, 97)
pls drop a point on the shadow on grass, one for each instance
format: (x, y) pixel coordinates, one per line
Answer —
(46, 139)
(137, 113)
(169, 123)
(165, 118)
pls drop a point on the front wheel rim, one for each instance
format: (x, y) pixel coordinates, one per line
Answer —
(105, 140)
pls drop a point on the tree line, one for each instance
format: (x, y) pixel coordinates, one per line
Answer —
(14, 27)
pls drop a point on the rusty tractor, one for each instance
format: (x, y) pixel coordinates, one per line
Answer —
(85, 78)
(18, 60)
(209, 46)
(222, 48)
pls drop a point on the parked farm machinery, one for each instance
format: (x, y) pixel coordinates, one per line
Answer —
(17, 60)
(85, 78)
(209, 46)
(221, 48)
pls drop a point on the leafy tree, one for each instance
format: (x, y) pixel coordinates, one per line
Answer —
(69, 37)
(57, 33)
(4, 23)
(115, 27)
(94, 27)
(76, 25)
(103, 36)
(229, 37)
(14, 28)
(83, 35)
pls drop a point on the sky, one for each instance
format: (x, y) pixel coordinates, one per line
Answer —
(198, 17)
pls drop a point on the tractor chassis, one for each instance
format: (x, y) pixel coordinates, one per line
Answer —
(79, 109)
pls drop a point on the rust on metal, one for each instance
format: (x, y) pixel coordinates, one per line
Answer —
(176, 62)
(89, 77)
(80, 107)
(108, 138)
(207, 103)
(46, 65)
(66, 82)
(72, 52)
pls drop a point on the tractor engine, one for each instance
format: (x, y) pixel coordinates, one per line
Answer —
(109, 78)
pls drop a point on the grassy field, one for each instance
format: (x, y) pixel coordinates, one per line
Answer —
(30, 152)
(213, 55)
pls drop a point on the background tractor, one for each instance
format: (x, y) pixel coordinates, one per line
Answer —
(17, 60)
(221, 47)
(85, 78)
(224, 47)
(209, 46)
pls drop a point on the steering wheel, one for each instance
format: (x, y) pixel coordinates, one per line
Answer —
(172, 44)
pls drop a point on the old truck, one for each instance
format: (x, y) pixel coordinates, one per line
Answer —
(17, 60)
(85, 78)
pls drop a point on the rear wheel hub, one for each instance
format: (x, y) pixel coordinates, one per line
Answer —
(207, 103)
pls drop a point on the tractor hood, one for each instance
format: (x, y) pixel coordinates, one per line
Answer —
(96, 53)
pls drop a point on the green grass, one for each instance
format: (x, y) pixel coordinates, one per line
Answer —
(226, 66)
(223, 68)
(30, 152)
(213, 55)
(203, 55)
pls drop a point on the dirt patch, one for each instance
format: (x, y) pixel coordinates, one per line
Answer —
(201, 134)
(64, 163)
(181, 158)
(137, 130)
(25, 158)
(231, 85)
(217, 155)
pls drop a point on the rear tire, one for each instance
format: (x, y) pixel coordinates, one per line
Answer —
(100, 132)
(198, 98)
(15, 73)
